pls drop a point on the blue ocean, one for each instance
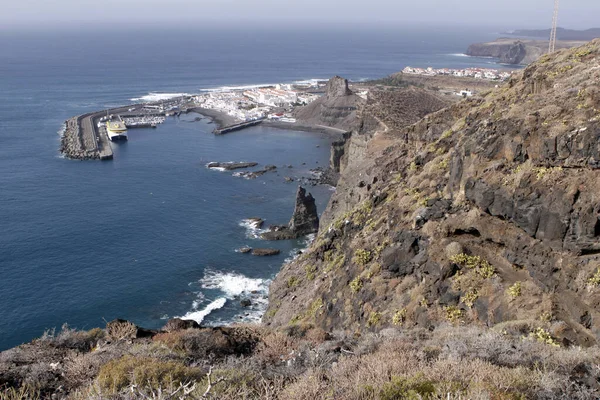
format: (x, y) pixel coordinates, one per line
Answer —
(153, 234)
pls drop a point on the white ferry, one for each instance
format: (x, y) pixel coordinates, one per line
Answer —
(116, 130)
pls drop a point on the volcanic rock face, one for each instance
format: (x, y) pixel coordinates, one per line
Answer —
(337, 87)
(486, 212)
(508, 51)
(305, 219)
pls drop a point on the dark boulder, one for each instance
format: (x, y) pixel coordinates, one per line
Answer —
(265, 252)
(177, 324)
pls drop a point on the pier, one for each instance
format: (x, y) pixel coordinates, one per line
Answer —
(237, 127)
(85, 137)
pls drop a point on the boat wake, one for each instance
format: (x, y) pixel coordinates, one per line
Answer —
(232, 286)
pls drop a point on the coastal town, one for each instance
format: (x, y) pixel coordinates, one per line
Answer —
(477, 73)
(272, 102)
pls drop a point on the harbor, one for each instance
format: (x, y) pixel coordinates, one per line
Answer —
(89, 136)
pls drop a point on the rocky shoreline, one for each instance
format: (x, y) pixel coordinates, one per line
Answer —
(71, 142)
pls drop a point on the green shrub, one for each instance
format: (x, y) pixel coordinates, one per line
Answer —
(453, 314)
(515, 290)
(401, 388)
(399, 317)
(118, 374)
(543, 336)
(481, 266)
(374, 319)
(595, 279)
(470, 297)
(310, 272)
(292, 282)
(361, 257)
(356, 284)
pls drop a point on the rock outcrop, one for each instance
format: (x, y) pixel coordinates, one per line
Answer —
(305, 219)
(230, 166)
(265, 252)
(485, 212)
(336, 109)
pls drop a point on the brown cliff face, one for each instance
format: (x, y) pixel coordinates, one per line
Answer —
(486, 213)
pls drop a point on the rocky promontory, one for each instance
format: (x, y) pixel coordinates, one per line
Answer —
(516, 51)
(336, 109)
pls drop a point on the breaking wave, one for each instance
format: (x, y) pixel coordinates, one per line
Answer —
(232, 286)
(155, 96)
(253, 229)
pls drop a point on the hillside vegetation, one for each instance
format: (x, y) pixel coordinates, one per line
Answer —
(458, 258)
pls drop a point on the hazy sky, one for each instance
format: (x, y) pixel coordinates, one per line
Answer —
(499, 13)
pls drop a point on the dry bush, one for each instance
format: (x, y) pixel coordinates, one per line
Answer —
(121, 330)
(72, 339)
(118, 374)
(24, 392)
(469, 362)
(275, 348)
(209, 343)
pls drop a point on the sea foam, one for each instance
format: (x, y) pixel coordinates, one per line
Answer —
(232, 286)
(155, 96)
(252, 228)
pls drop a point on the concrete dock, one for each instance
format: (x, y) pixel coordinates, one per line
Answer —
(84, 140)
(237, 127)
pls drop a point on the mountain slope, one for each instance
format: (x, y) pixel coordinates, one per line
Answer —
(483, 213)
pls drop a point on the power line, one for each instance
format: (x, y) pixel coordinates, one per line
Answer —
(552, 45)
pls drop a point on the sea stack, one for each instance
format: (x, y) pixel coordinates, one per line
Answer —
(305, 219)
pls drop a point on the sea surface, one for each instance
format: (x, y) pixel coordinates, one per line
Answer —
(153, 233)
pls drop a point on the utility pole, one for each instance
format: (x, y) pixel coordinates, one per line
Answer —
(552, 45)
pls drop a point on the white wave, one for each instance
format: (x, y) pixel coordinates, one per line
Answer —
(312, 81)
(61, 132)
(252, 228)
(233, 284)
(241, 87)
(199, 316)
(155, 96)
(220, 169)
(458, 55)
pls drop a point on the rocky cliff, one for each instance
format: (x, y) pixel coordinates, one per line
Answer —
(483, 213)
(508, 51)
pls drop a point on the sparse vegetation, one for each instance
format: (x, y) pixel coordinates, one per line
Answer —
(541, 172)
(470, 297)
(362, 257)
(447, 134)
(119, 374)
(311, 271)
(356, 284)
(374, 319)
(453, 314)
(293, 282)
(515, 290)
(476, 263)
(543, 336)
(399, 317)
(595, 279)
